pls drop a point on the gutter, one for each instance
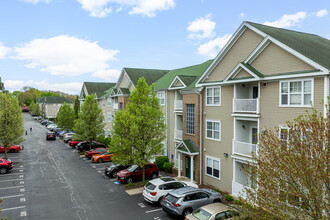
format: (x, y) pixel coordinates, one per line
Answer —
(200, 137)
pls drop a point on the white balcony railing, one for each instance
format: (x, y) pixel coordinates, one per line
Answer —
(178, 105)
(244, 149)
(238, 189)
(246, 105)
(178, 134)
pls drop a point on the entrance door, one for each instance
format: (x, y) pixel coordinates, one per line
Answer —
(188, 167)
(255, 92)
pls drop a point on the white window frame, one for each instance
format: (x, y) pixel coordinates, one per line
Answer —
(103, 103)
(109, 117)
(212, 96)
(194, 122)
(302, 93)
(213, 159)
(161, 97)
(109, 101)
(206, 129)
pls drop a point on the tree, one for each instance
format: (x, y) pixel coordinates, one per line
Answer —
(90, 120)
(76, 106)
(65, 116)
(291, 171)
(138, 130)
(11, 121)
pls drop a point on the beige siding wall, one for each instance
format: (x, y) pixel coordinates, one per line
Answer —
(240, 50)
(218, 148)
(242, 74)
(131, 88)
(124, 82)
(273, 115)
(276, 60)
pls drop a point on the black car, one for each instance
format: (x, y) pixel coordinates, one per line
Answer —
(83, 146)
(111, 171)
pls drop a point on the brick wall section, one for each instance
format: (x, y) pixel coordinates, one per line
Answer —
(192, 99)
(124, 100)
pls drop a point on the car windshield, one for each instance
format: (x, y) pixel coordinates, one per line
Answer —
(201, 214)
(171, 198)
(132, 168)
(150, 186)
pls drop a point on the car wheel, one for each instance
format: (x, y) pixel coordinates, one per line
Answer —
(3, 170)
(100, 160)
(12, 151)
(154, 176)
(114, 174)
(186, 212)
(160, 200)
(129, 180)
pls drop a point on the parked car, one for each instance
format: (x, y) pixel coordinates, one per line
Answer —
(57, 130)
(73, 143)
(156, 189)
(84, 146)
(5, 165)
(134, 173)
(50, 136)
(212, 212)
(67, 137)
(90, 153)
(183, 201)
(111, 171)
(50, 126)
(11, 149)
(102, 157)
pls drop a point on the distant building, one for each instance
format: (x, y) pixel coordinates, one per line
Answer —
(2, 87)
(50, 106)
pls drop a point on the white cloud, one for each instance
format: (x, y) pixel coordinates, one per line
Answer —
(4, 51)
(107, 75)
(321, 13)
(66, 56)
(102, 8)
(70, 87)
(212, 48)
(36, 1)
(201, 28)
(288, 20)
(242, 15)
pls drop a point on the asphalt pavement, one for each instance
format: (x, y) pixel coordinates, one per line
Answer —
(51, 181)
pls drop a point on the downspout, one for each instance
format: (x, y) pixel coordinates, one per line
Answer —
(326, 94)
(200, 136)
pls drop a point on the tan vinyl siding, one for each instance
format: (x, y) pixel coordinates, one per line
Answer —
(124, 82)
(240, 50)
(242, 74)
(272, 115)
(171, 125)
(218, 148)
(274, 59)
(131, 88)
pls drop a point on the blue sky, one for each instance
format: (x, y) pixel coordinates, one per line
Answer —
(58, 44)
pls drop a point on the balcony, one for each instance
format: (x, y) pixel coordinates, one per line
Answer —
(178, 105)
(246, 106)
(115, 106)
(178, 134)
(244, 149)
(238, 189)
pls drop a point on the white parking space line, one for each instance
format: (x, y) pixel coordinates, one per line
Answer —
(22, 190)
(11, 180)
(6, 197)
(155, 210)
(99, 171)
(13, 208)
(11, 174)
(11, 187)
(23, 213)
(22, 199)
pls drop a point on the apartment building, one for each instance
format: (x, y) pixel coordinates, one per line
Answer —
(50, 105)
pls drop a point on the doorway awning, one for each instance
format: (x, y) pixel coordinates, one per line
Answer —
(187, 147)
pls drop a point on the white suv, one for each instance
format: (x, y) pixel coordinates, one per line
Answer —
(156, 189)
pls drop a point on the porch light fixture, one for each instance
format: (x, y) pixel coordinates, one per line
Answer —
(225, 154)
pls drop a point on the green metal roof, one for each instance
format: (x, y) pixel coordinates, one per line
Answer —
(150, 75)
(54, 100)
(196, 70)
(107, 92)
(252, 69)
(188, 146)
(98, 88)
(125, 91)
(187, 80)
(312, 46)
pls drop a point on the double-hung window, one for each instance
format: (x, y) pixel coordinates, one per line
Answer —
(213, 130)
(109, 101)
(109, 116)
(161, 97)
(190, 118)
(296, 93)
(213, 96)
(212, 167)
(103, 103)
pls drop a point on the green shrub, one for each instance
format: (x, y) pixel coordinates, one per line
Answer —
(100, 139)
(160, 161)
(81, 153)
(77, 137)
(218, 190)
(237, 202)
(229, 198)
(168, 167)
(129, 184)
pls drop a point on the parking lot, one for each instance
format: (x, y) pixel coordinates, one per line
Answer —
(51, 181)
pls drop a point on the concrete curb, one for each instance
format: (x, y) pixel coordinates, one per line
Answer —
(134, 191)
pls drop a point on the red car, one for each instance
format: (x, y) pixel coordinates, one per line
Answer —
(5, 165)
(90, 154)
(73, 143)
(135, 173)
(11, 149)
(50, 136)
